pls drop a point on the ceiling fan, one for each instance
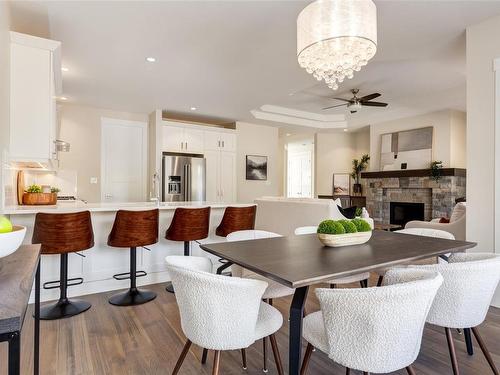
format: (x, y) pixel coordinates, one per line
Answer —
(354, 104)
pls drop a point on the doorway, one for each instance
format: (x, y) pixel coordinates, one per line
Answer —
(123, 160)
(300, 167)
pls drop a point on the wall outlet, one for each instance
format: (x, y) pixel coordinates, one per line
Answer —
(93, 180)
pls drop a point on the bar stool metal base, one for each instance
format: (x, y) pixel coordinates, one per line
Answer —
(132, 297)
(169, 288)
(64, 309)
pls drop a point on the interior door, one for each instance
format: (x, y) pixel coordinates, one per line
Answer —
(212, 170)
(123, 160)
(228, 176)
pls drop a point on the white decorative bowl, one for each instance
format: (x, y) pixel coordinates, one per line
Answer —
(10, 242)
(337, 240)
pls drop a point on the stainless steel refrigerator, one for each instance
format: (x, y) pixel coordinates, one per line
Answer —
(183, 178)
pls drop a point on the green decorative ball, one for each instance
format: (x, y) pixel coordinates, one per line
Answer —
(331, 227)
(361, 225)
(348, 226)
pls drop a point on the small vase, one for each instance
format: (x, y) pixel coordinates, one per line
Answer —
(357, 189)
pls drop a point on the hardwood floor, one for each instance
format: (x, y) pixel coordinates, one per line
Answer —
(147, 339)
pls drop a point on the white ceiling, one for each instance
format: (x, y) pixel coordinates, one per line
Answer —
(229, 57)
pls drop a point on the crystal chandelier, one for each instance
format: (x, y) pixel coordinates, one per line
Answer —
(335, 38)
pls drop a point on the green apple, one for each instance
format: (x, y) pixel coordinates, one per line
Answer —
(5, 225)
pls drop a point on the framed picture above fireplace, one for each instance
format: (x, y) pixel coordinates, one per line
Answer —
(410, 148)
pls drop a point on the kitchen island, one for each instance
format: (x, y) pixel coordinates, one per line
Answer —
(102, 261)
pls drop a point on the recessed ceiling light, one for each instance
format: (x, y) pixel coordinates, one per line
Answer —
(193, 108)
(63, 98)
(64, 69)
(345, 129)
(288, 134)
(150, 59)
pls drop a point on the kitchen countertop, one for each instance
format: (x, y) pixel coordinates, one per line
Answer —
(62, 207)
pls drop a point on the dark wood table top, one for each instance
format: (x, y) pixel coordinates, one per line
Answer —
(297, 261)
(17, 272)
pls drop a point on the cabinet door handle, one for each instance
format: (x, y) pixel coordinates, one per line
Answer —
(182, 145)
(223, 144)
(218, 144)
(186, 145)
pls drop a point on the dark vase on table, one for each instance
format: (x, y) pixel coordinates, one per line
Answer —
(357, 189)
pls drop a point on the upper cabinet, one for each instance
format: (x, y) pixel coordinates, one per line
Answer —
(181, 138)
(220, 140)
(35, 66)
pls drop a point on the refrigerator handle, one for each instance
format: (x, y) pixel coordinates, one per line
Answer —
(189, 187)
(184, 171)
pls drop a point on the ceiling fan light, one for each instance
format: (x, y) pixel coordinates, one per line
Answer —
(336, 37)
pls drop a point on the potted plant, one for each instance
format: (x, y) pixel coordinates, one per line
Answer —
(34, 195)
(359, 166)
(436, 167)
(335, 233)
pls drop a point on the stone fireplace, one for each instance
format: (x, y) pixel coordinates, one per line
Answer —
(413, 186)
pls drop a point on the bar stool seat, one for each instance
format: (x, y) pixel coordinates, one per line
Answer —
(236, 219)
(61, 234)
(133, 229)
(188, 224)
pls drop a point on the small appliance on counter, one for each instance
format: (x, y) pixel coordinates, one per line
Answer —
(183, 178)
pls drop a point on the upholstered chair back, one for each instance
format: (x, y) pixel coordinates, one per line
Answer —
(385, 324)
(470, 280)
(428, 232)
(305, 230)
(217, 312)
(245, 235)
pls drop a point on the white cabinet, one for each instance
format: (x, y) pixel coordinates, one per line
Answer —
(221, 176)
(34, 62)
(182, 139)
(223, 141)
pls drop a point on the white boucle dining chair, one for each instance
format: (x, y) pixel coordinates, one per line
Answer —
(221, 313)
(426, 232)
(470, 280)
(274, 289)
(373, 329)
(361, 277)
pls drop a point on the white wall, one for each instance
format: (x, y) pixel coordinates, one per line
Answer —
(81, 127)
(482, 49)
(258, 140)
(4, 89)
(334, 153)
(442, 137)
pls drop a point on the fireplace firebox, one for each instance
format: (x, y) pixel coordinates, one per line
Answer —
(403, 212)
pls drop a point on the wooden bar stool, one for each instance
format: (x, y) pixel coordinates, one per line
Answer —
(133, 229)
(63, 234)
(236, 219)
(188, 224)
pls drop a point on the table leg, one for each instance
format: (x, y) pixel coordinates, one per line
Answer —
(36, 342)
(15, 353)
(296, 314)
(223, 267)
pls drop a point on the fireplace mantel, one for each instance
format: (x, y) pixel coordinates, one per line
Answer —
(454, 172)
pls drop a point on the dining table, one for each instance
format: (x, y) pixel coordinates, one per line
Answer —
(301, 261)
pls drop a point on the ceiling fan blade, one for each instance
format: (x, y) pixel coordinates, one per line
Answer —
(369, 97)
(333, 106)
(344, 100)
(374, 104)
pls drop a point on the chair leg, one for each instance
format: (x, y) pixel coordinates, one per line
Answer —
(451, 348)
(270, 301)
(410, 370)
(306, 360)
(215, 370)
(276, 354)
(380, 280)
(204, 356)
(333, 286)
(181, 357)
(484, 349)
(347, 371)
(364, 283)
(366, 373)
(468, 341)
(264, 352)
(244, 358)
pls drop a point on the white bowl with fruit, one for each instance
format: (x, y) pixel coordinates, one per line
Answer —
(336, 233)
(11, 236)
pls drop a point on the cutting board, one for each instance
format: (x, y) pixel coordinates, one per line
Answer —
(20, 187)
